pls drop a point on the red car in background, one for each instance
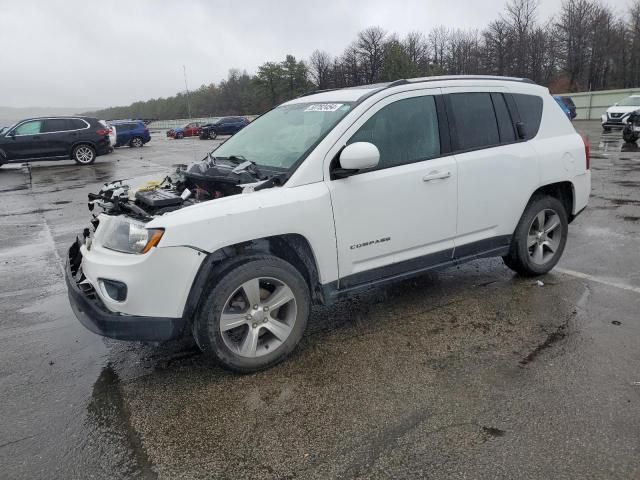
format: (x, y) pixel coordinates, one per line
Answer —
(189, 130)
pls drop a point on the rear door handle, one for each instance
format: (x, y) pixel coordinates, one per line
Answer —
(436, 176)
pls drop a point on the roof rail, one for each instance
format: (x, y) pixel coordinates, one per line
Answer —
(313, 92)
(463, 77)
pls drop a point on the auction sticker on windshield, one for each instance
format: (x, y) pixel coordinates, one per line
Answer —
(323, 107)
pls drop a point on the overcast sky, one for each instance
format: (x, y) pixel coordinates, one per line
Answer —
(79, 53)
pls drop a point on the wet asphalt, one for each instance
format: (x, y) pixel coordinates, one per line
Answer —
(468, 373)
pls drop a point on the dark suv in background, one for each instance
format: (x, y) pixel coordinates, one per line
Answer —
(133, 133)
(55, 138)
(223, 126)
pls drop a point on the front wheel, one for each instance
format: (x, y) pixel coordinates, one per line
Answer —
(254, 315)
(539, 238)
(213, 135)
(179, 136)
(84, 154)
(606, 129)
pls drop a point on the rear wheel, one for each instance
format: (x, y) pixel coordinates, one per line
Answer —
(84, 154)
(540, 237)
(254, 315)
(136, 142)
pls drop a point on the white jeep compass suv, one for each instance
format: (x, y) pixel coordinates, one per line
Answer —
(325, 195)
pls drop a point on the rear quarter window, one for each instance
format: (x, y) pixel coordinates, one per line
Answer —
(530, 111)
(77, 124)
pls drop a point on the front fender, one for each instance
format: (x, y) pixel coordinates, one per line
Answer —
(210, 226)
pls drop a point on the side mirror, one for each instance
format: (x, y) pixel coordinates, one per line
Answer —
(359, 156)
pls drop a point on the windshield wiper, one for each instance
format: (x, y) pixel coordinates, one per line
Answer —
(247, 165)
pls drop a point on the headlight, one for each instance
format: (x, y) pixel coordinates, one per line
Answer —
(129, 236)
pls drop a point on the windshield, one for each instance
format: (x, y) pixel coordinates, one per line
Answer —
(630, 102)
(283, 136)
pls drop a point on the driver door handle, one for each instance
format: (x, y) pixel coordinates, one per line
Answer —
(437, 175)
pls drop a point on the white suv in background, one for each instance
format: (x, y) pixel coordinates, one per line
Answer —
(326, 195)
(616, 116)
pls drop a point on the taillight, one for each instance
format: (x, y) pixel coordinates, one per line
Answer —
(587, 152)
(103, 131)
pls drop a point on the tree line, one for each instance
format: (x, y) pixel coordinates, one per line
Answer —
(585, 46)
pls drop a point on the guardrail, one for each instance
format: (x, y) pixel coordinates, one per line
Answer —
(181, 122)
(178, 122)
(591, 105)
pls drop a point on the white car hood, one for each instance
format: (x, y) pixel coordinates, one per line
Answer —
(619, 109)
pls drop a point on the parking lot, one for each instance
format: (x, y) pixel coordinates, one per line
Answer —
(467, 373)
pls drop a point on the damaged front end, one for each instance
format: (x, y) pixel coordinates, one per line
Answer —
(187, 185)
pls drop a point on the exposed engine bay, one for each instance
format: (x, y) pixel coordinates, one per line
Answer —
(202, 181)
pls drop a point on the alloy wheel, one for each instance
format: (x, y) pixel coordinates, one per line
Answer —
(544, 237)
(84, 154)
(258, 317)
(136, 142)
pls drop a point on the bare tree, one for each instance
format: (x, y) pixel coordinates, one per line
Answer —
(574, 27)
(520, 17)
(320, 68)
(417, 48)
(370, 49)
(439, 41)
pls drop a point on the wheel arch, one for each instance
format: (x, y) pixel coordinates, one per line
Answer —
(82, 142)
(292, 248)
(563, 191)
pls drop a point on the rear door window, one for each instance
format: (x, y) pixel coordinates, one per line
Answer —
(405, 131)
(52, 125)
(474, 120)
(530, 111)
(505, 123)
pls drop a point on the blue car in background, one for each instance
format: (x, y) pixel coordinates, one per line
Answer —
(133, 133)
(567, 105)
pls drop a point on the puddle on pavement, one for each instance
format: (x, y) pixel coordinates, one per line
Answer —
(109, 427)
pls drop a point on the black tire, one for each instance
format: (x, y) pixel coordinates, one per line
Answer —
(519, 258)
(206, 326)
(179, 136)
(629, 137)
(136, 142)
(84, 154)
(213, 135)
(606, 129)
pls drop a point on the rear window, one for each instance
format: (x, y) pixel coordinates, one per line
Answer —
(530, 111)
(56, 125)
(475, 120)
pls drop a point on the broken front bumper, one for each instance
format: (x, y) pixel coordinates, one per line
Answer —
(92, 313)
